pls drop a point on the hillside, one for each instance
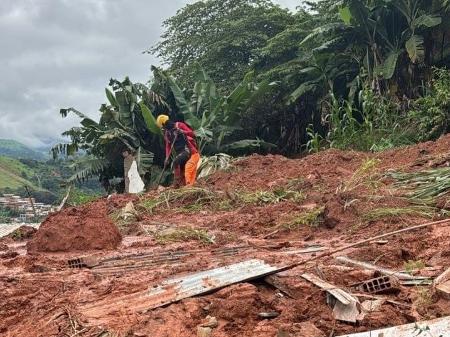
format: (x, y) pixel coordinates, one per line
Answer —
(14, 149)
(14, 174)
(280, 211)
(44, 178)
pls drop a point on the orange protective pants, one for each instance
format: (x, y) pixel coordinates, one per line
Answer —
(190, 170)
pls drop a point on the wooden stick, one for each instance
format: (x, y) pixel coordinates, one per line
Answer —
(337, 250)
(63, 202)
(31, 201)
(384, 271)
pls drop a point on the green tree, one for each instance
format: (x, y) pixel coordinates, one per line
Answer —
(220, 35)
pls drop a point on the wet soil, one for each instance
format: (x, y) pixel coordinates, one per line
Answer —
(43, 297)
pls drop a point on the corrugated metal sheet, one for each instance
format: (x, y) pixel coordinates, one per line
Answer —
(183, 287)
(7, 228)
(178, 288)
(437, 327)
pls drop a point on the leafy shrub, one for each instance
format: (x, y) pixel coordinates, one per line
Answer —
(375, 123)
(432, 111)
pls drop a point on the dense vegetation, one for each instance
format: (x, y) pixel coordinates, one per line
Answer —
(250, 76)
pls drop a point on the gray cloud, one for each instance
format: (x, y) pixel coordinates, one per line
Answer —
(61, 53)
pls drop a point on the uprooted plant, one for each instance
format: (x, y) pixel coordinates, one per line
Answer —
(189, 199)
(185, 234)
(366, 175)
(424, 186)
(192, 199)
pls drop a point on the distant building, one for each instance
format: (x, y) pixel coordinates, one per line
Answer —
(24, 208)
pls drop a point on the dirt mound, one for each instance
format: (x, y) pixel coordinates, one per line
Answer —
(77, 229)
(259, 172)
(23, 233)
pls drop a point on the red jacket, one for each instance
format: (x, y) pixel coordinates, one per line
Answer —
(188, 133)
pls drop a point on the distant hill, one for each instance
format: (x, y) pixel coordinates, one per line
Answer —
(14, 174)
(14, 149)
(45, 179)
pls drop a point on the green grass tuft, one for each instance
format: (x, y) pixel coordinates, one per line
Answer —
(311, 218)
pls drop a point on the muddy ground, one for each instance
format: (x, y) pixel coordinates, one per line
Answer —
(264, 207)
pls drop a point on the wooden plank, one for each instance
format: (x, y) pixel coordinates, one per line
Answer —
(384, 271)
(342, 296)
(437, 327)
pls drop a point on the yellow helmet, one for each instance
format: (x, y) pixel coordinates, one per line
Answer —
(161, 120)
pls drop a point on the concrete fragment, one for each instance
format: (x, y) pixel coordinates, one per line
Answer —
(128, 212)
(371, 306)
(443, 277)
(203, 331)
(379, 285)
(210, 322)
(444, 289)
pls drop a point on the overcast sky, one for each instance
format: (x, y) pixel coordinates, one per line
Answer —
(62, 53)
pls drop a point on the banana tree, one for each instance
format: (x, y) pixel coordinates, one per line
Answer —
(390, 29)
(215, 118)
(125, 123)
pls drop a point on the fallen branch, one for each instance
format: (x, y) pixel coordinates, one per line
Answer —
(337, 250)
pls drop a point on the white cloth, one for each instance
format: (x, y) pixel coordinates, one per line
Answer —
(136, 184)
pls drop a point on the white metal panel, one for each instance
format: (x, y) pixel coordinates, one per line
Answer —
(8, 228)
(439, 327)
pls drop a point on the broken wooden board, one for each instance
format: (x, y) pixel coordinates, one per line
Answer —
(305, 250)
(444, 289)
(346, 307)
(278, 282)
(437, 327)
(384, 271)
(339, 294)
